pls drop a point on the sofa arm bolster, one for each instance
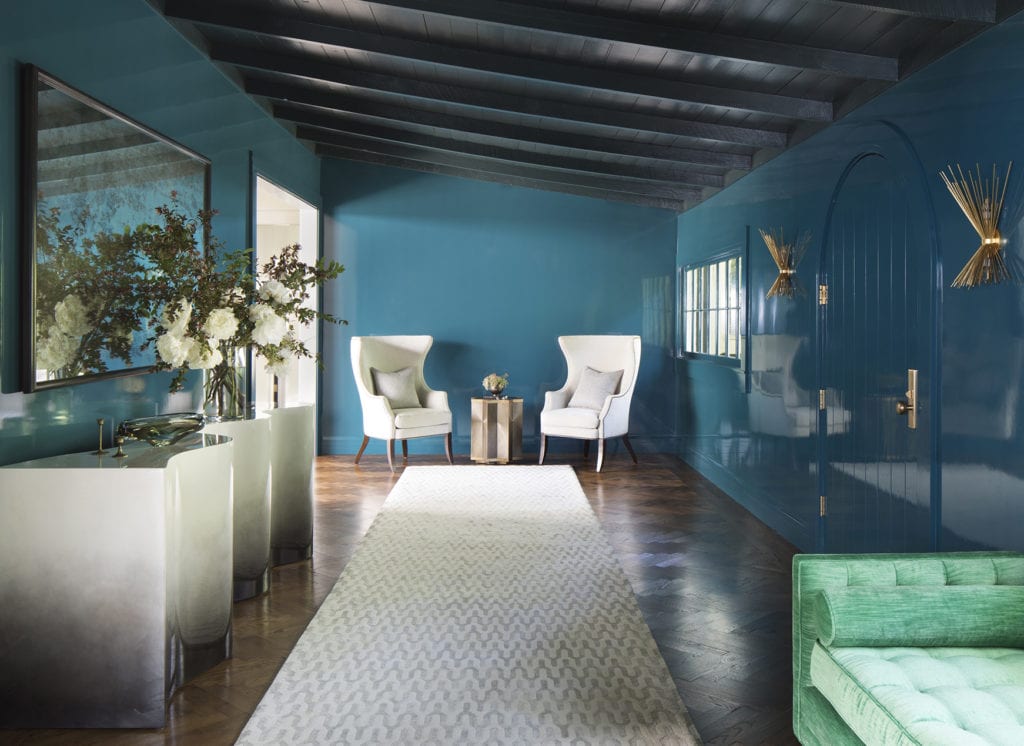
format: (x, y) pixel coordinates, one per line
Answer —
(921, 616)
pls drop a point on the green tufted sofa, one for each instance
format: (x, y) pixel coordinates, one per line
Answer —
(908, 649)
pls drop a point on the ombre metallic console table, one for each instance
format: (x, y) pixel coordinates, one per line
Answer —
(116, 583)
(496, 432)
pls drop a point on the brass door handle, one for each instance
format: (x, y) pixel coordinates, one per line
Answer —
(908, 406)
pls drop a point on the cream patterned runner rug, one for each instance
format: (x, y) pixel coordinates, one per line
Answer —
(484, 606)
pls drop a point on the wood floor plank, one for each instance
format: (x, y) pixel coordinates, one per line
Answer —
(712, 582)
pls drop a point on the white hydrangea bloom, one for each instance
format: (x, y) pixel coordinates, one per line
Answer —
(270, 328)
(280, 364)
(199, 359)
(276, 291)
(55, 350)
(71, 316)
(221, 324)
(172, 349)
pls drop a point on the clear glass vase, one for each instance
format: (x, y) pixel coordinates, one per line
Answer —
(224, 387)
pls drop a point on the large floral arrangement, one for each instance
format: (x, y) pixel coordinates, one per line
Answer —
(167, 285)
(212, 305)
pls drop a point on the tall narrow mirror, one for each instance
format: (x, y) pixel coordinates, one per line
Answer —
(283, 219)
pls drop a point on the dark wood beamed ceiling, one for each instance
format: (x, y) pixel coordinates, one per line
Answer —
(424, 94)
(653, 102)
(982, 11)
(689, 41)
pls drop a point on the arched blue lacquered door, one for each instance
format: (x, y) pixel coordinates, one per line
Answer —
(875, 326)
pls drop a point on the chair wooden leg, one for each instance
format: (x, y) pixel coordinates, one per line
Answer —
(405, 452)
(366, 439)
(448, 447)
(391, 454)
(629, 447)
(543, 447)
(600, 453)
(586, 450)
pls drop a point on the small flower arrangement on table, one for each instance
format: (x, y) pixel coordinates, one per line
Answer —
(495, 383)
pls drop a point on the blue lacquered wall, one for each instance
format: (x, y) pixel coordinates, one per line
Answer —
(495, 273)
(123, 53)
(968, 108)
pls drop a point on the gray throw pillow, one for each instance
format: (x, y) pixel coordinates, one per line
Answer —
(398, 387)
(594, 387)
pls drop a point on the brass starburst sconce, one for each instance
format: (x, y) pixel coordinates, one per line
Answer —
(982, 202)
(787, 256)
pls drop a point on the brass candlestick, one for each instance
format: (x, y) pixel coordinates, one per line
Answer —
(99, 424)
(120, 449)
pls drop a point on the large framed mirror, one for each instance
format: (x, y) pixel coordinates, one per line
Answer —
(90, 176)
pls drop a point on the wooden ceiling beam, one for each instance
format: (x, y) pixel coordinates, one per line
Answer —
(329, 129)
(660, 36)
(390, 113)
(318, 71)
(977, 11)
(488, 164)
(468, 172)
(562, 73)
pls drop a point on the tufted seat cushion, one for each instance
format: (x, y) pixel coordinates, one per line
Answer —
(940, 696)
(568, 417)
(421, 417)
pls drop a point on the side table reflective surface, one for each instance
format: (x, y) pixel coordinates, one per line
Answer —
(496, 432)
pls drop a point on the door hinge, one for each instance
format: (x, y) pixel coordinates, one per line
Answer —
(821, 507)
(821, 399)
(822, 295)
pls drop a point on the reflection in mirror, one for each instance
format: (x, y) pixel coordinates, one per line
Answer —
(91, 177)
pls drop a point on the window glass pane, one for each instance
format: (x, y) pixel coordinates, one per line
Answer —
(723, 332)
(689, 291)
(739, 280)
(734, 333)
(713, 286)
(712, 348)
(723, 292)
(733, 284)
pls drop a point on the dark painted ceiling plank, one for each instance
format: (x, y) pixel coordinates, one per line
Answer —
(316, 70)
(651, 177)
(979, 11)
(391, 113)
(197, 11)
(661, 36)
(352, 154)
(486, 164)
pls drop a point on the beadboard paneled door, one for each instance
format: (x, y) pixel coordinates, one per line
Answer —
(875, 326)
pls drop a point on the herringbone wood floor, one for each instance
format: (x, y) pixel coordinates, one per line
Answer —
(711, 580)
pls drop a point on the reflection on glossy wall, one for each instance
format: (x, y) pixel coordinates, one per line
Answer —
(124, 54)
(495, 273)
(958, 481)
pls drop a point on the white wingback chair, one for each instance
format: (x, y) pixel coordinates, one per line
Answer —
(427, 415)
(563, 417)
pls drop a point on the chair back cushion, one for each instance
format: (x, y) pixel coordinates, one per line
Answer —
(594, 387)
(389, 353)
(602, 352)
(398, 387)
